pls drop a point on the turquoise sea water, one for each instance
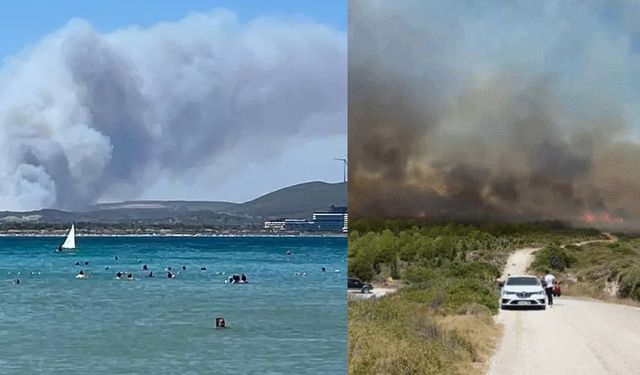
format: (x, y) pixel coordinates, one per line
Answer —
(278, 323)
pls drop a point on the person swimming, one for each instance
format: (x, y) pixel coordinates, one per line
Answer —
(243, 278)
(81, 275)
(77, 263)
(150, 274)
(220, 323)
(324, 269)
(170, 275)
(106, 268)
(288, 252)
(184, 268)
(17, 281)
(130, 276)
(144, 267)
(118, 275)
(203, 268)
(86, 263)
(116, 257)
(168, 268)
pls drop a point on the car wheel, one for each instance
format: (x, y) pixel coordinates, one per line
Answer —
(366, 290)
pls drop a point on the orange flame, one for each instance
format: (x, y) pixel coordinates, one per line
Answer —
(604, 217)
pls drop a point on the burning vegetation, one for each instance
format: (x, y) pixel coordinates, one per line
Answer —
(496, 112)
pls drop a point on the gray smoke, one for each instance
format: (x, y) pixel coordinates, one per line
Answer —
(494, 109)
(85, 114)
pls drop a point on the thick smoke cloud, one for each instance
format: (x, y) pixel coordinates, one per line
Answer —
(494, 110)
(85, 114)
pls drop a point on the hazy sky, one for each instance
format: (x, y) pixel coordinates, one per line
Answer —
(220, 100)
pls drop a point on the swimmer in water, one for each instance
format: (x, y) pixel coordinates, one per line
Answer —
(170, 275)
(203, 268)
(288, 252)
(116, 257)
(324, 269)
(17, 281)
(243, 278)
(144, 267)
(118, 275)
(106, 268)
(77, 263)
(220, 323)
(150, 274)
(184, 268)
(86, 263)
(130, 277)
(81, 275)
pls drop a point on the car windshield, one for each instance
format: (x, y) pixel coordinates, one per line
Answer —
(530, 281)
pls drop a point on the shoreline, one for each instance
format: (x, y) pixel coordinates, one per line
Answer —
(63, 234)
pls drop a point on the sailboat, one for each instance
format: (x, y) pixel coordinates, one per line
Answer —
(70, 242)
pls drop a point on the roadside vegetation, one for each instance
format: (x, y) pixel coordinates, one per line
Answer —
(440, 321)
(607, 271)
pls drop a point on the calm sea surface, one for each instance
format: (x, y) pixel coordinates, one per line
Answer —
(278, 323)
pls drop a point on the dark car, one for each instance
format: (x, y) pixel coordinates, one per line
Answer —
(357, 284)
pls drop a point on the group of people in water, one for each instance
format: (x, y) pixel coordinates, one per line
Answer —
(234, 279)
(237, 279)
(129, 276)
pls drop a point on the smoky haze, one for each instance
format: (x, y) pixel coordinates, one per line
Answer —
(85, 114)
(494, 110)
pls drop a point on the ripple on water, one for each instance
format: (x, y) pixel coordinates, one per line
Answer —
(279, 323)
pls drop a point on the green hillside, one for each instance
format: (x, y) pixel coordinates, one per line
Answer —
(298, 201)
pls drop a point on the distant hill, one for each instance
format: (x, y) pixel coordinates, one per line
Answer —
(162, 205)
(298, 201)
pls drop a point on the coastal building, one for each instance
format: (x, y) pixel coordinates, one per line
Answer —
(275, 225)
(332, 220)
(335, 219)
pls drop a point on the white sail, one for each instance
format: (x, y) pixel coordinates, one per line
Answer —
(70, 242)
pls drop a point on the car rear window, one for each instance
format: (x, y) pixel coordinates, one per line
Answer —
(522, 281)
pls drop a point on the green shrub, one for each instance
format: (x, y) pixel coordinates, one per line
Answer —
(361, 267)
(630, 284)
(552, 257)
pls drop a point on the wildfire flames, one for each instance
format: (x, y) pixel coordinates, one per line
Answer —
(604, 217)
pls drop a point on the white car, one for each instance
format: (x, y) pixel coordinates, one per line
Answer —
(522, 291)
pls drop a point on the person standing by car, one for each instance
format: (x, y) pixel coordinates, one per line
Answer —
(549, 281)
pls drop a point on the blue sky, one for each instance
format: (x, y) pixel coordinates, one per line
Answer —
(23, 24)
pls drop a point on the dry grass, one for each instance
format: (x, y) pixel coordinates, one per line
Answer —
(395, 336)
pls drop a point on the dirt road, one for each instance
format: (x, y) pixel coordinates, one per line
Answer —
(574, 337)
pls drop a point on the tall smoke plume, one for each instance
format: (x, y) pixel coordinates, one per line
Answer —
(85, 114)
(504, 110)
